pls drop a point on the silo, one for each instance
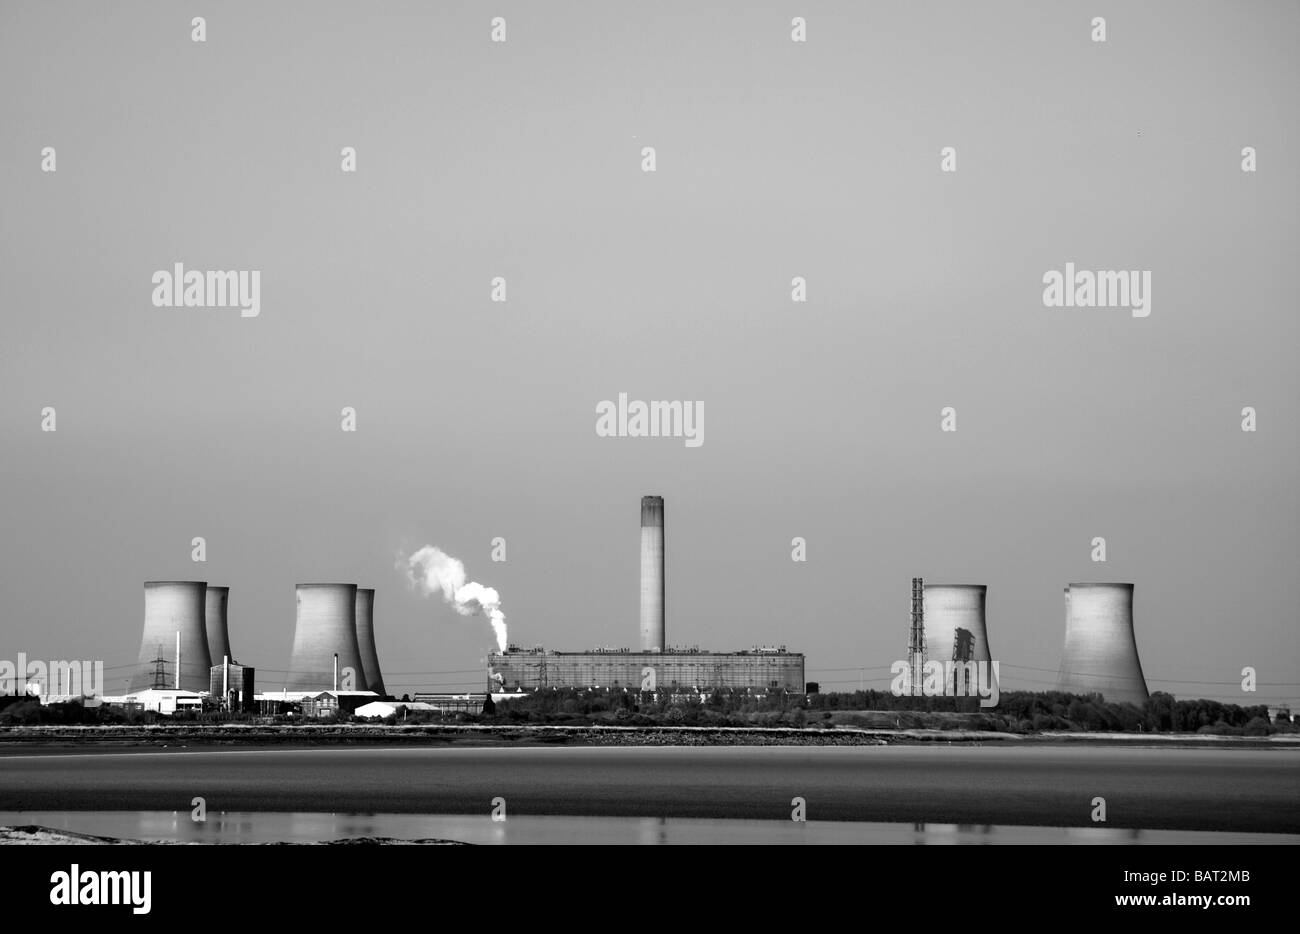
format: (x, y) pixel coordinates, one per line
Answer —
(1100, 654)
(326, 625)
(214, 617)
(652, 574)
(171, 607)
(366, 640)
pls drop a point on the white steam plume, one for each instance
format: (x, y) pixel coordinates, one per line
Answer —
(432, 570)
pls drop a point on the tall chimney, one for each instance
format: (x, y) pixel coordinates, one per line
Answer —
(178, 659)
(336, 671)
(225, 680)
(652, 574)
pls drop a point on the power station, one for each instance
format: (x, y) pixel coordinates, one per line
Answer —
(366, 640)
(954, 624)
(214, 616)
(1100, 654)
(174, 646)
(656, 665)
(185, 644)
(325, 653)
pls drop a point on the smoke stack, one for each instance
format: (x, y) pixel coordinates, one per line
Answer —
(326, 627)
(336, 671)
(1100, 654)
(225, 680)
(214, 619)
(172, 607)
(652, 574)
(366, 640)
(177, 685)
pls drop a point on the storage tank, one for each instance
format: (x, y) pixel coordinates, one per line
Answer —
(172, 607)
(326, 625)
(1100, 654)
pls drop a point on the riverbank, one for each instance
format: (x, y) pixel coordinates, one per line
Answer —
(169, 736)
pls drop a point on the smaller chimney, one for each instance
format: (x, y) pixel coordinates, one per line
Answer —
(178, 659)
(225, 680)
(336, 671)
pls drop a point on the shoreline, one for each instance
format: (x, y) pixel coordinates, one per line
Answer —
(55, 739)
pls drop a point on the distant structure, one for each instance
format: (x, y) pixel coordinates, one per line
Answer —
(325, 639)
(763, 668)
(366, 640)
(232, 686)
(655, 666)
(955, 627)
(652, 574)
(214, 616)
(916, 638)
(1100, 654)
(174, 614)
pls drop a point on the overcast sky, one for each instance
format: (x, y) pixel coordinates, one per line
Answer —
(477, 419)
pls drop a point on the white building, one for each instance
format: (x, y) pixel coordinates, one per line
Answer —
(391, 708)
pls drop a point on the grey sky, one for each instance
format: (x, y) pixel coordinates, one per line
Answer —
(775, 159)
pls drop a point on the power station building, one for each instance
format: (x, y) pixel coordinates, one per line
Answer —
(759, 669)
(655, 666)
(1100, 654)
(174, 645)
(326, 654)
(232, 686)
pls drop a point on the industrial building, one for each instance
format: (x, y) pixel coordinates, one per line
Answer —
(366, 640)
(955, 628)
(325, 650)
(1100, 654)
(334, 703)
(232, 686)
(762, 669)
(655, 666)
(174, 645)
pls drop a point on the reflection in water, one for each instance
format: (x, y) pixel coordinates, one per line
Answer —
(229, 827)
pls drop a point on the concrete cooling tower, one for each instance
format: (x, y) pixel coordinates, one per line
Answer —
(366, 640)
(326, 625)
(1100, 654)
(954, 622)
(652, 574)
(214, 616)
(171, 607)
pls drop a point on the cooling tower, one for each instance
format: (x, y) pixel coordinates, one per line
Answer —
(366, 640)
(171, 607)
(1100, 654)
(214, 616)
(327, 624)
(954, 622)
(652, 573)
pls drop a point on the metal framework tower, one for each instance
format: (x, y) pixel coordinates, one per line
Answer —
(159, 671)
(916, 639)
